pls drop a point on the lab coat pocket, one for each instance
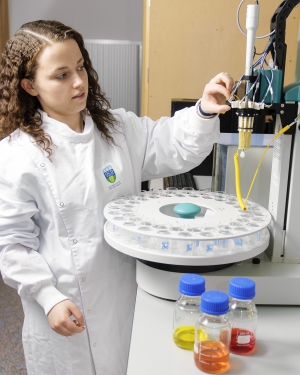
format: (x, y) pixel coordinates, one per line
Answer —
(46, 351)
(36, 337)
(59, 347)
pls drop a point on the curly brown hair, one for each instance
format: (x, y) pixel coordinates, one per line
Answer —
(18, 109)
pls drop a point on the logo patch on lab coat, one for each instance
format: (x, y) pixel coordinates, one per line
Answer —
(109, 175)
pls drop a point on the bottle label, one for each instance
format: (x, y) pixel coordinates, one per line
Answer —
(244, 339)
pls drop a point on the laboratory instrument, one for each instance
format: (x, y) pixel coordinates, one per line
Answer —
(167, 245)
(162, 257)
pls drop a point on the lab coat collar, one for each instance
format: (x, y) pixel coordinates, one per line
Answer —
(59, 128)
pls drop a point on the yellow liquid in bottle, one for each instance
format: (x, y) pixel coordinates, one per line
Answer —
(184, 337)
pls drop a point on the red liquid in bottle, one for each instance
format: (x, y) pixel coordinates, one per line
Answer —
(242, 341)
(213, 357)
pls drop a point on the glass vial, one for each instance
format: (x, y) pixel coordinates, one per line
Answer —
(187, 310)
(242, 315)
(212, 333)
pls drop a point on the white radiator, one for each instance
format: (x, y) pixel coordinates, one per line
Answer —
(118, 64)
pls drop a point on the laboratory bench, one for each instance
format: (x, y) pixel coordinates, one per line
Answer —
(153, 352)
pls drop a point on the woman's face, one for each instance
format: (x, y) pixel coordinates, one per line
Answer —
(60, 83)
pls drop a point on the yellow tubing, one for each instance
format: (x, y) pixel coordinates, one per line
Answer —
(263, 155)
(238, 182)
(237, 171)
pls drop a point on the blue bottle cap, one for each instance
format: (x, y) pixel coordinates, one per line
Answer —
(186, 210)
(241, 288)
(191, 284)
(214, 302)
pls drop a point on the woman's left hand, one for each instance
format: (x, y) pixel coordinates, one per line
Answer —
(215, 94)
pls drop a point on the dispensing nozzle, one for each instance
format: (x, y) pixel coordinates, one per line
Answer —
(245, 126)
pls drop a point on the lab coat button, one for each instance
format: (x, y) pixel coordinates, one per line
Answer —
(42, 165)
(83, 280)
(89, 311)
(94, 344)
(61, 204)
(75, 241)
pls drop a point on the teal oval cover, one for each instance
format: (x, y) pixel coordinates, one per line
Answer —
(186, 210)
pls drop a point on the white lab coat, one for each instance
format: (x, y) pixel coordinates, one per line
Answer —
(51, 230)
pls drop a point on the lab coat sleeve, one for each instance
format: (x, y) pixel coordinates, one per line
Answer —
(171, 145)
(22, 267)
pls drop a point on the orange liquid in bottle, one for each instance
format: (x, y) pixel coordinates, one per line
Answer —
(213, 357)
(242, 341)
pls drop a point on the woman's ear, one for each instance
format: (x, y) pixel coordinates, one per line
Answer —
(26, 85)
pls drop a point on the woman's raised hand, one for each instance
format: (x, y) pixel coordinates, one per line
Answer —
(215, 94)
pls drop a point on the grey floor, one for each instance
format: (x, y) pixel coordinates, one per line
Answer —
(11, 321)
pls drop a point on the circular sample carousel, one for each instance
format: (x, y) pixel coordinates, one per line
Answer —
(175, 232)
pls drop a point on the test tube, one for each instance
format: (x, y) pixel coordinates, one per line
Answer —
(193, 227)
(208, 195)
(176, 227)
(144, 238)
(160, 224)
(155, 193)
(205, 191)
(230, 199)
(255, 238)
(132, 200)
(171, 190)
(180, 194)
(259, 212)
(185, 246)
(166, 194)
(143, 193)
(163, 243)
(225, 245)
(129, 236)
(188, 190)
(118, 201)
(240, 242)
(207, 245)
(245, 216)
(249, 204)
(219, 196)
(126, 208)
(114, 210)
(115, 230)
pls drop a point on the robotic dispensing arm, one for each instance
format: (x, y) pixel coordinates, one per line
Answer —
(247, 107)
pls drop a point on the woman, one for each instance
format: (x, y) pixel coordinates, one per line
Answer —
(59, 140)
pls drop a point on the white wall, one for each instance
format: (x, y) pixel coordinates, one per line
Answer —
(94, 19)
